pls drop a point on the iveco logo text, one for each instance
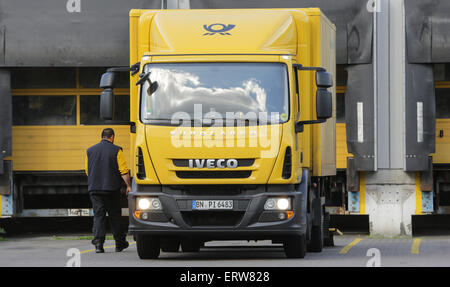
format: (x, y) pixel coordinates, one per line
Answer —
(213, 163)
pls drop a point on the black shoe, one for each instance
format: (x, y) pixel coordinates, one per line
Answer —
(99, 248)
(121, 246)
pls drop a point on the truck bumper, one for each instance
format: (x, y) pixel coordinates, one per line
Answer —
(247, 220)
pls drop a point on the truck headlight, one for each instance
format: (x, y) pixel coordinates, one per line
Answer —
(283, 204)
(148, 203)
(278, 204)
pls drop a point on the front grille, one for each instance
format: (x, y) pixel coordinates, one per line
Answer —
(241, 162)
(213, 174)
(215, 190)
(212, 218)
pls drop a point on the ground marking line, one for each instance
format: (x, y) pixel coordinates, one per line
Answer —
(106, 247)
(350, 245)
(415, 247)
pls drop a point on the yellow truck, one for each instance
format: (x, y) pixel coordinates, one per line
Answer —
(232, 127)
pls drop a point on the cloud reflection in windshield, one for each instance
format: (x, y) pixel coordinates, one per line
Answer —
(179, 91)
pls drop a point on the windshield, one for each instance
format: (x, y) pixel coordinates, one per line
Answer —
(218, 91)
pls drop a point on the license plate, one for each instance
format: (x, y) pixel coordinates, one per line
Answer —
(212, 204)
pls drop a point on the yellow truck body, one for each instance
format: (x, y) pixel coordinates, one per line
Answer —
(287, 36)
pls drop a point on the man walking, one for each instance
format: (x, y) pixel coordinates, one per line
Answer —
(105, 168)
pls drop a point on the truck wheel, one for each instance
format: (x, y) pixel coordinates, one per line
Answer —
(295, 246)
(316, 243)
(170, 245)
(328, 238)
(190, 245)
(317, 235)
(148, 247)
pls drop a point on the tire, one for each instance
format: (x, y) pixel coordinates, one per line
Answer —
(295, 246)
(317, 236)
(148, 247)
(328, 237)
(170, 245)
(316, 243)
(330, 240)
(190, 245)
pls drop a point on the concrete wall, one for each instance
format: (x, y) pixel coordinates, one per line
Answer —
(66, 32)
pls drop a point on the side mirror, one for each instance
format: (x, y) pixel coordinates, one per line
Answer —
(107, 104)
(153, 87)
(142, 78)
(324, 80)
(107, 81)
(324, 98)
(324, 104)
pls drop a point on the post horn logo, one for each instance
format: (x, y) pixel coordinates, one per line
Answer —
(222, 29)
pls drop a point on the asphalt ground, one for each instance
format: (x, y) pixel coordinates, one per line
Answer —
(48, 250)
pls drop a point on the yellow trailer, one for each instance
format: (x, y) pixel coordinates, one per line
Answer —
(51, 130)
(233, 127)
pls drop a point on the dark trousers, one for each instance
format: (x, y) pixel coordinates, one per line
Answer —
(102, 204)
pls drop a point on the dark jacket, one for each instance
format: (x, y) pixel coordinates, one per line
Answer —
(103, 170)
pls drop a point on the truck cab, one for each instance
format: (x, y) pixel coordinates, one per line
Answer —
(232, 127)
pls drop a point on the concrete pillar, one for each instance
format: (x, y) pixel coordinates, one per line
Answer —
(178, 4)
(390, 193)
(390, 201)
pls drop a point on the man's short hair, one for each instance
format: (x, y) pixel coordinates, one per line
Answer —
(107, 133)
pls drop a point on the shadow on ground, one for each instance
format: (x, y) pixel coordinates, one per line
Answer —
(58, 226)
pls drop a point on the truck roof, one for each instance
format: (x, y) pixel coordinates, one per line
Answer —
(222, 31)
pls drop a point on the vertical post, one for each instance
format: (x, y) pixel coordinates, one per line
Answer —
(390, 191)
(6, 195)
(5, 116)
(178, 4)
(397, 58)
(78, 86)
